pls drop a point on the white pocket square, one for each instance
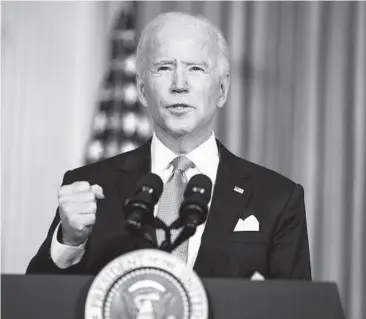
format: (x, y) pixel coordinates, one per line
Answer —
(250, 223)
(257, 276)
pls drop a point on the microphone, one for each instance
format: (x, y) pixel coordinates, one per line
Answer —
(140, 209)
(194, 208)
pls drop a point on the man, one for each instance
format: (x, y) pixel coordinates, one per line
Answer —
(256, 221)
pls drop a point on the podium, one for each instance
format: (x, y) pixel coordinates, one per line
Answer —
(63, 297)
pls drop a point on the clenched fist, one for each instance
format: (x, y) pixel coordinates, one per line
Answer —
(77, 208)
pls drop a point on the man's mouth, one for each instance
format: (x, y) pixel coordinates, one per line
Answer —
(179, 106)
(179, 109)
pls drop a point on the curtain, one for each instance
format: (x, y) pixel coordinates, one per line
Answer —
(53, 59)
(297, 105)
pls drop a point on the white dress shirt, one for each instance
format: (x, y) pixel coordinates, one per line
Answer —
(206, 160)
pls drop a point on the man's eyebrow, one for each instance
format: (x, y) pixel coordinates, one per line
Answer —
(189, 63)
(204, 63)
(164, 62)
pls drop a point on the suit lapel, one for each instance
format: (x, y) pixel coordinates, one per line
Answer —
(130, 170)
(226, 208)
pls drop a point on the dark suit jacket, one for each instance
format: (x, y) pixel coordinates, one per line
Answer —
(279, 250)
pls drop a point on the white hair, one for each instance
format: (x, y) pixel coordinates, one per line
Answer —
(159, 20)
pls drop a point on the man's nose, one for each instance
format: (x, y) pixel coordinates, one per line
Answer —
(179, 82)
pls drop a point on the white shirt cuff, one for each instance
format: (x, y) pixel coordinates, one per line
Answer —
(65, 256)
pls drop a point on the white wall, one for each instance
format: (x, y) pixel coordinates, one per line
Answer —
(53, 60)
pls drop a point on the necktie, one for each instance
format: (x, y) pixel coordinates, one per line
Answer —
(171, 200)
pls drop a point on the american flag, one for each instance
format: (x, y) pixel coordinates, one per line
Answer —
(121, 123)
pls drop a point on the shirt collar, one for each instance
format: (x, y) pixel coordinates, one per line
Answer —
(161, 156)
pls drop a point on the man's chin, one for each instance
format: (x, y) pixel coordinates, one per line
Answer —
(179, 128)
(178, 132)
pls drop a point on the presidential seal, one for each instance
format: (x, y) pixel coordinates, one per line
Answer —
(146, 284)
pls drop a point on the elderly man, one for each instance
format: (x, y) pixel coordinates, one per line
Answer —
(256, 220)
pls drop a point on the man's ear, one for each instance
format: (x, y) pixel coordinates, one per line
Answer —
(224, 89)
(141, 90)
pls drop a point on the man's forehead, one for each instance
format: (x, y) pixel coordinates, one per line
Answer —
(182, 39)
(184, 29)
(187, 42)
(190, 52)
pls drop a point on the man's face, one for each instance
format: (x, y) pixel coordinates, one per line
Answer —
(182, 84)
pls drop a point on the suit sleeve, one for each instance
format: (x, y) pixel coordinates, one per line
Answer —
(42, 262)
(290, 256)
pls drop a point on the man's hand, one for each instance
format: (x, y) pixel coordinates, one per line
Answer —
(77, 207)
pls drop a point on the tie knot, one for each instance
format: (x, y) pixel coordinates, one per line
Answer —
(181, 163)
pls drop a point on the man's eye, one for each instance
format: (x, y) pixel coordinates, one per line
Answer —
(196, 68)
(163, 68)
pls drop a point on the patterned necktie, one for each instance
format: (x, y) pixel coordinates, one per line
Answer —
(170, 202)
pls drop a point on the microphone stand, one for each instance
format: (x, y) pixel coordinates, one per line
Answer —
(188, 230)
(159, 224)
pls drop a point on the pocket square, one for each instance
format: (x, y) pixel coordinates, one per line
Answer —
(250, 223)
(257, 276)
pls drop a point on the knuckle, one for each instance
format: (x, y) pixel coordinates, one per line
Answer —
(93, 207)
(63, 200)
(91, 220)
(62, 191)
(81, 186)
(65, 207)
(90, 197)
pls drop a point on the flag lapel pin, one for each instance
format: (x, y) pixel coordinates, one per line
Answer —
(238, 190)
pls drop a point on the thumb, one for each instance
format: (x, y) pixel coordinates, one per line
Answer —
(98, 191)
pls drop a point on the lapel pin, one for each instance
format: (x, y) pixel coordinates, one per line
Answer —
(238, 190)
